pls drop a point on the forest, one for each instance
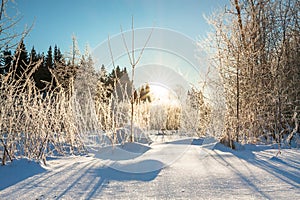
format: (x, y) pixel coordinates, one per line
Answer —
(49, 102)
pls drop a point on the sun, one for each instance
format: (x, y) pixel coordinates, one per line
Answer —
(162, 95)
(159, 93)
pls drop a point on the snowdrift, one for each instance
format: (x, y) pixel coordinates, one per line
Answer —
(124, 151)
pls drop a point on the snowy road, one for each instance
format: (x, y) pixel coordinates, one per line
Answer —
(188, 172)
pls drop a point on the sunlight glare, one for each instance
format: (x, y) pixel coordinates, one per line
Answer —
(161, 94)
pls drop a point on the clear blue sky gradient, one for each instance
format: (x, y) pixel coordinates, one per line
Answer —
(93, 20)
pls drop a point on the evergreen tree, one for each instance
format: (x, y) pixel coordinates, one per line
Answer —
(118, 72)
(125, 82)
(102, 91)
(49, 58)
(58, 57)
(2, 64)
(6, 60)
(142, 94)
(103, 75)
(110, 79)
(43, 75)
(117, 82)
(145, 93)
(66, 70)
(33, 55)
(115, 74)
(20, 62)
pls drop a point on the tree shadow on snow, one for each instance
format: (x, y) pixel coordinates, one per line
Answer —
(101, 177)
(285, 169)
(119, 152)
(84, 179)
(145, 171)
(17, 171)
(187, 141)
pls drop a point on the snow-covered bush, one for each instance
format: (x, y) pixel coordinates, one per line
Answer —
(34, 123)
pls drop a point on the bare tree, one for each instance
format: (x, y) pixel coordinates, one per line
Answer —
(255, 48)
(133, 62)
(8, 36)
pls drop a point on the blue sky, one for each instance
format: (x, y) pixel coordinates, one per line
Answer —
(93, 20)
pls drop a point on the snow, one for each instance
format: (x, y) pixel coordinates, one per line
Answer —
(17, 171)
(183, 168)
(119, 152)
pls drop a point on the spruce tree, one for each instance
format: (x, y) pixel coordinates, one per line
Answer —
(49, 58)
(33, 55)
(43, 75)
(20, 63)
(7, 60)
(58, 57)
(103, 75)
(126, 83)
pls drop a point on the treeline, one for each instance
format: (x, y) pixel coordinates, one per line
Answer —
(20, 64)
(56, 69)
(48, 101)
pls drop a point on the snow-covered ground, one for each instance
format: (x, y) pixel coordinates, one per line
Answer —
(177, 169)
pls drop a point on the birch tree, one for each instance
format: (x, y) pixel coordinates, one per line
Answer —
(255, 47)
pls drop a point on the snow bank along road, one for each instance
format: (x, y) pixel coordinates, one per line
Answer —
(180, 171)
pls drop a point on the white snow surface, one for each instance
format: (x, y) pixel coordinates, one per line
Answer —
(178, 169)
